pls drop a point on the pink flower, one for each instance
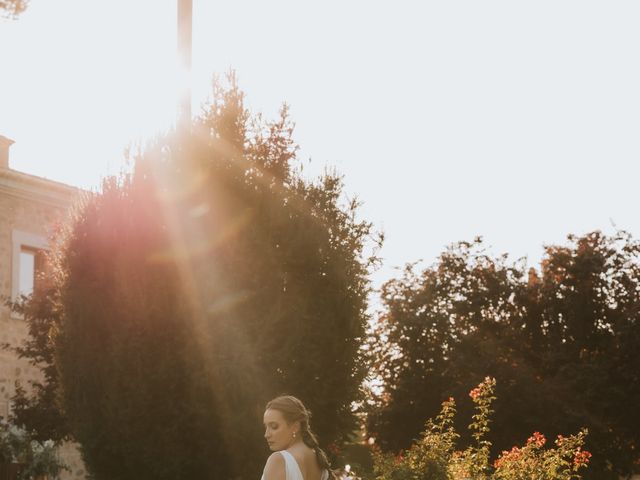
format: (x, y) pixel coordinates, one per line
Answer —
(508, 456)
(537, 439)
(581, 458)
(482, 389)
(475, 393)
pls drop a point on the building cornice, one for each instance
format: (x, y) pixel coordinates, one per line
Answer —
(34, 188)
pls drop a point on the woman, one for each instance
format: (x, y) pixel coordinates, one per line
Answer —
(297, 455)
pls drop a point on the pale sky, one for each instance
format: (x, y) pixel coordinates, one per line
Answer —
(518, 121)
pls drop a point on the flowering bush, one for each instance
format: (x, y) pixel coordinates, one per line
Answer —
(36, 460)
(434, 455)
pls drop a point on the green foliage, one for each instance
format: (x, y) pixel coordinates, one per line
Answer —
(35, 459)
(563, 344)
(210, 279)
(37, 407)
(434, 456)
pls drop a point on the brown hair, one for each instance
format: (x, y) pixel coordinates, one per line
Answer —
(293, 410)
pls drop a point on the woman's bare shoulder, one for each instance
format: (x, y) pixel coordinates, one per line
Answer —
(274, 469)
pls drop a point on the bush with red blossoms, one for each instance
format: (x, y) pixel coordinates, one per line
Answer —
(435, 457)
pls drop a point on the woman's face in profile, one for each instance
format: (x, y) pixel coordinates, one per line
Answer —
(277, 432)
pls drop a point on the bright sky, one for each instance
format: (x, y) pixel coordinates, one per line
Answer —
(518, 121)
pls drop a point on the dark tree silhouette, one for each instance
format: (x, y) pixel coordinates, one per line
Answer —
(210, 279)
(563, 344)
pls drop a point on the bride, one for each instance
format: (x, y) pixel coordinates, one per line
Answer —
(297, 455)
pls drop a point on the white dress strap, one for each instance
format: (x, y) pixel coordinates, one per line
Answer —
(292, 468)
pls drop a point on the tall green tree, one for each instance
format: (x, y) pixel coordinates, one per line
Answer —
(210, 279)
(562, 344)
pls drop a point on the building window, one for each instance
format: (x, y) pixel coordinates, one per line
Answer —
(32, 264)
(28, 261)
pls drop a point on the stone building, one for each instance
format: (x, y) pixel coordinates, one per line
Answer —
(29, 208)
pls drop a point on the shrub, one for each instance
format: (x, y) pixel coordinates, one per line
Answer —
(434, 455)
(35, 459)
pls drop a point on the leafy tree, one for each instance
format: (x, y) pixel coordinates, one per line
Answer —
(12, 8)
(37, 407)
(194, 289)
(562, 343)
(26, 456)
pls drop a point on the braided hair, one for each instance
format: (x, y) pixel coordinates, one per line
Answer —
(293, 410)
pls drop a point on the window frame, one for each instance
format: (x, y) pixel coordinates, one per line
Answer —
(22, 240)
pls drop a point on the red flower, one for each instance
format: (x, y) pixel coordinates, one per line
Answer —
(508, 456)
(475, 393)
(482, 389)
(581, 458)
(537, 439)
(333, 448)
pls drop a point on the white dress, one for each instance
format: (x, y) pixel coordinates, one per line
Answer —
(292, 469)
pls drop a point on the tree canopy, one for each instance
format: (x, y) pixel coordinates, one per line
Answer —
(194, 289)
(563, 344)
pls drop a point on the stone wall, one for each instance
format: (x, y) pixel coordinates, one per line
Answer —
(29, 208)
(16, 214)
